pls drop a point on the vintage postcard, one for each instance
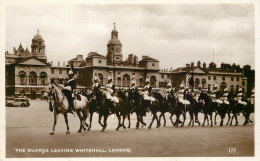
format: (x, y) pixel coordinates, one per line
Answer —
(127, 81)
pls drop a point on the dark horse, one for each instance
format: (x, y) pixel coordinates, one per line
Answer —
(208, 108)
(194, 109)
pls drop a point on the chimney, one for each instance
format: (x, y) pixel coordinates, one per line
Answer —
(204, 66)
(187, 65)
(58, 64)
(136, 60)
(51, 63)
(198, 64)
(79, 57)
(192, 64)
(64, 63)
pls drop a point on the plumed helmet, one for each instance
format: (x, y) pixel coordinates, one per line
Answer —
(240, 90)
(187, 86)
(169, 84)
(147, 80)
(226, 90)
(200, 86)
(95, 78)
(253, 90)
(109, 78)
(215, 86)
(182, 85)
(70, 72)
(133, 82)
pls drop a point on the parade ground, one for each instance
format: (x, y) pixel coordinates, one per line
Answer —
(28, 128)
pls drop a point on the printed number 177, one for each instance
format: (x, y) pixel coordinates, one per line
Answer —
(232, 150)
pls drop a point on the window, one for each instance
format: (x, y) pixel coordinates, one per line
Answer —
(232, 89)
(237, 78)
(60, 71)
(209, 77)
(141, 82)
(162, 75)
(40, 50)
(203, 81)
(40, 43)
(100, 78)
(33, 78)
(43, 77)
(119, 82)
(168, 76)
(126, 80)
(209, 87)
(133, 73)
(118, 73)
(153, 64)
(243, 83)
(99, 61)
(223, 78)
(22, 76)
(52, 71)
(214, 78)
(197, 82)
(153, 81)
(237, 87)
(232, 78)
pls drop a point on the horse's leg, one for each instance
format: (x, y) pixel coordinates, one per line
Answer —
(164, 119)
(157, 119)
(211, 119)
(119, 120)
(177, 120)
(228, 118)
(90, 121)
(67, 123)
(197, 118)
(191, 117)
(149, 127)
(142, 121)
(171, 119)
(80, 120)
(160, 117)
(215, 121)
(123, 122)
(55, 122)
(232, 119)
(205, 117)
(184, 118)
(105, 123)
(85, 116)
(129, 121)
(137, 121)
(99, 120)
(236, 120)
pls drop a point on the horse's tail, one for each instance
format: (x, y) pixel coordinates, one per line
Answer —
(50, 106)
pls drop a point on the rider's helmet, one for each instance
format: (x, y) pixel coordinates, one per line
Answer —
(169, 85)
(109, 79)
(226, 90)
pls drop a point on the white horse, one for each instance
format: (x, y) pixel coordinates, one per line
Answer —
(61, 105)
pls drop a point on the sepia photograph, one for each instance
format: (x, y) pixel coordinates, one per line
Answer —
(129, 80)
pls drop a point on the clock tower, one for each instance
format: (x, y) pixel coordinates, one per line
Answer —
(114, 48)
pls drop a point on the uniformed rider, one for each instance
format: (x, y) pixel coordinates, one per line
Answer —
(240, 97)
(147, 91)
(110, 90)
(180, 95)
(96, 86)
(252, 98)
(225, 97)
(169, 91)
(215, 96)
(69, 88)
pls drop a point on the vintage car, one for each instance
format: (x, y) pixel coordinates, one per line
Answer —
(23, 102)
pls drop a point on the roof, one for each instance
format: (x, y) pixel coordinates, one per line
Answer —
(37, 37)
(147, 58)
(114, 41)
(95, 54)
(187, 69)
(30, 58)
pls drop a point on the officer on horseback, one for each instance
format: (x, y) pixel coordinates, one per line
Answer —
(225, 97)
(147, 91)
(215, 96)
(240, 97)
(110, 90)
(198, 93)
(96, 86)
(133, 86)
(169, 91)
(252, 98)
(181, 93)
(68, 89)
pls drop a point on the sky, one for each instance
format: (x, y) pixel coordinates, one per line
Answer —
(175, 34)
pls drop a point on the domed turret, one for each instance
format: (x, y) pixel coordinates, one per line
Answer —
(38, 47)
(114, 48)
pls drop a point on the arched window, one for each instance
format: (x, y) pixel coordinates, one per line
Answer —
(237, 88)
(209, 86)
(43, 77)
(126, 80)
(141, 83)
(197, 82)
(232, 89)
(223, 85)
(203, 81)
(100, 78)
(22, 77)
(33, 78)
(153, 81)
(119, 82)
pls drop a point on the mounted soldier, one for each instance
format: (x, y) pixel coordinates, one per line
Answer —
(240, 97)
(110, 90)
(252, 98)
(215, 96)
(198, 93)
(96, 86)
(225, 97)
(169, 91)
(147, 92)
(181, 93)
(68, 89)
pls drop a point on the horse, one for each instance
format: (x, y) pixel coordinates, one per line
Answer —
(164, 104)
(208, 108)
(61, 105)
(194, 108)
(125, 107)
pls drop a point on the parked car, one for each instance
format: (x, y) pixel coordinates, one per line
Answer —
(23, 102)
